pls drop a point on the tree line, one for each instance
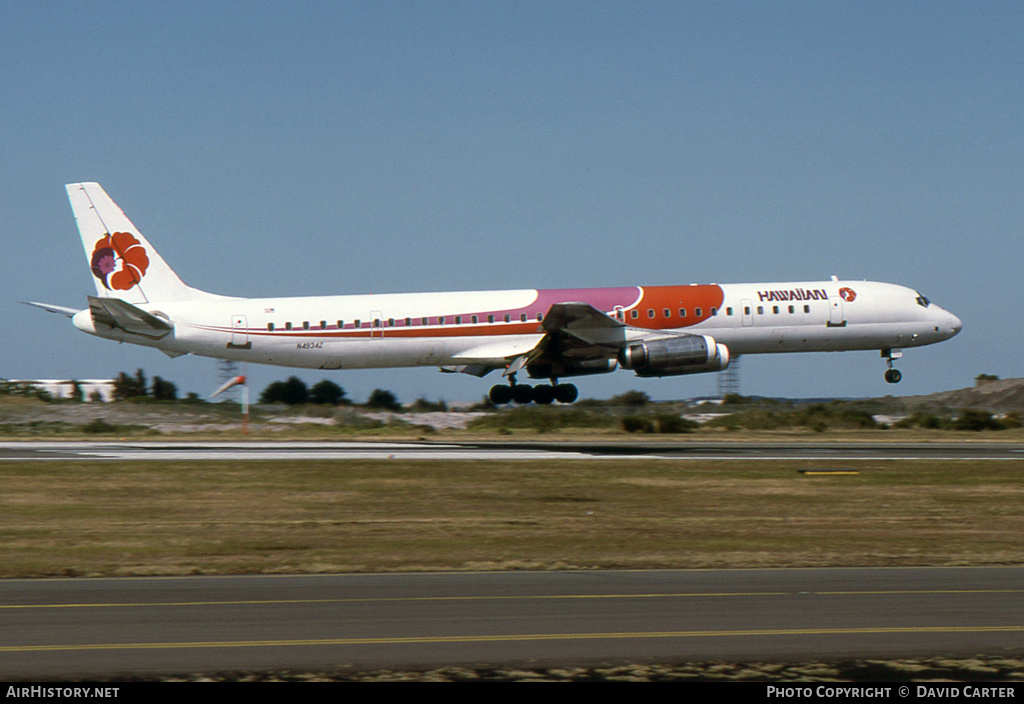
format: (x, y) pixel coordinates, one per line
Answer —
(294, 392)
(291, 392)
(126, 387)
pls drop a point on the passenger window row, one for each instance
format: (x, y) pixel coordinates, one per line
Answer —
(776, 310)
(667, 313)
(404, 322)
(634, 314)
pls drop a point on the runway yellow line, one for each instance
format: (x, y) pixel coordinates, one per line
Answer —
(537, 597)
(510, 638)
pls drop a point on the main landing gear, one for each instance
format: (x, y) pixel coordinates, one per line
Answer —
(543, 394)
(892, 375)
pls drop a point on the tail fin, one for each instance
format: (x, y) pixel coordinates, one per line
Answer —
(124, 263)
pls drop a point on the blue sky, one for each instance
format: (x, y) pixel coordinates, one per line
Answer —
(347, 147)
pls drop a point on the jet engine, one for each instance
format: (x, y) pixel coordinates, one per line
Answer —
(672, 356)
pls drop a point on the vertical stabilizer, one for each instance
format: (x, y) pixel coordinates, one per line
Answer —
(124, 264)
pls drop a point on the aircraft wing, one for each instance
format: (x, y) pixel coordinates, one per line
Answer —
(122, 314)
(579, 339)
(485, 358)
(580, 327)
(576, 337)
(574, 333)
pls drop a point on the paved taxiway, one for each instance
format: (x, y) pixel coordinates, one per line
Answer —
(106, 627)
(468, 450)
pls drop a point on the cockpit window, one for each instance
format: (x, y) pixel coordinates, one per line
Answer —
(922, 300)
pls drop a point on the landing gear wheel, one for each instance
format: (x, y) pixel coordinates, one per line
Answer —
(893, 376)
(566, 393)
(543, 394)
(500, 394)
(522, 394)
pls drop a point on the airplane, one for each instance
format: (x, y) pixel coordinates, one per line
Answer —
(654, 331)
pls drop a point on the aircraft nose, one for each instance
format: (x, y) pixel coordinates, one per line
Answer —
(956, 324)
(952, 323)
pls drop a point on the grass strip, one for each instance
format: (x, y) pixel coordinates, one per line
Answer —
(165, 518)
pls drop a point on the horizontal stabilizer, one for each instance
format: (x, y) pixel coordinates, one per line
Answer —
(116, 313)
(60, 310)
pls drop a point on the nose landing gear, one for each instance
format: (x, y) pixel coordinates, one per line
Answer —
(892, 375)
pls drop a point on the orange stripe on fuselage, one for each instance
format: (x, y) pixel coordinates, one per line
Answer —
(661, 298)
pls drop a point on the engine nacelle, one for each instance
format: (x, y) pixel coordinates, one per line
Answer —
(672, 356)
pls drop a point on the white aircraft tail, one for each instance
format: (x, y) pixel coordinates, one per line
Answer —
(124, 264)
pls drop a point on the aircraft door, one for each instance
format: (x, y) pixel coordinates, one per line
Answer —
(239, 333)
(836, 316)
(747, 312)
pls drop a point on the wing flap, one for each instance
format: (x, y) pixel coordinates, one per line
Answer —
(495, 352)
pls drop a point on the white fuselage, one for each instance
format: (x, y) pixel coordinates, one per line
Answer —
(441, 329)
(552, 333)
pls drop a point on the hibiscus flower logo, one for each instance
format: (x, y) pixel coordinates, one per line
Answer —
(848, 294)
(119, 261)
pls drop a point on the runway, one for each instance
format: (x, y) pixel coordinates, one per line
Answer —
(528, 450)
(104, 628)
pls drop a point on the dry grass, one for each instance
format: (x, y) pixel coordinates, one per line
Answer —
(115, 518)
